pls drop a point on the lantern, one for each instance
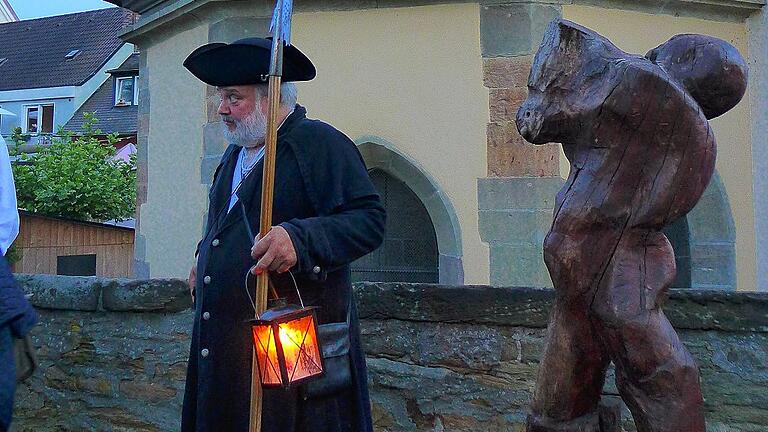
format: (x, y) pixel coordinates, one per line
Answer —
(286, 346)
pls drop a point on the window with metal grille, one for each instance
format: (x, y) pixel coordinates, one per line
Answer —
(409, 251)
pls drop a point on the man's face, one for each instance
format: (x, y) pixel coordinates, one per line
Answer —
(242, 111)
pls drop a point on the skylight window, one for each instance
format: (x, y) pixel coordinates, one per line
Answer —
(72, 54)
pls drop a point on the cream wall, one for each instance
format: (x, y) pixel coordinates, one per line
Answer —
(757, 29)
(412, 77)
(171, 219)
(637, 32)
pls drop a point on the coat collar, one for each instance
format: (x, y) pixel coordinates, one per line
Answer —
(299, 113)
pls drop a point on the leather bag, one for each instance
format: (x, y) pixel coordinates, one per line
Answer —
(24, 357)
(337, 368)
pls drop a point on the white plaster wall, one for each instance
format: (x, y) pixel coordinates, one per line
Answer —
(171, 219)
(66, 100)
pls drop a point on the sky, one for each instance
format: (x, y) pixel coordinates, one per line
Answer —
(28, 9)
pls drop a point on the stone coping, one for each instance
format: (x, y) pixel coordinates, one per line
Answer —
(99, 294)
(472, 304)
(529, 307)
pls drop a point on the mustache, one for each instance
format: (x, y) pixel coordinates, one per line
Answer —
(228, 118)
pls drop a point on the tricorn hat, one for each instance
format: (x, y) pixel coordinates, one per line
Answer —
(244, 62)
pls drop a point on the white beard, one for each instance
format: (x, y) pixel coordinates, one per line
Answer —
(249, 132)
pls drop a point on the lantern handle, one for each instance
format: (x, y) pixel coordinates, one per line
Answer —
(250, 298)
(252, 240)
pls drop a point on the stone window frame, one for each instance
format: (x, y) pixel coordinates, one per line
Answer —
(712, 239)
(380, 154)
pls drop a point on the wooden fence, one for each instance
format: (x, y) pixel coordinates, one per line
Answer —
(62, 246)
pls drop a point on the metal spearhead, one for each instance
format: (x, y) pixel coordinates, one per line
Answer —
(280, 28)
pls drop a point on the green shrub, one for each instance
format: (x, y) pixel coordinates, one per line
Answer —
(76, 178)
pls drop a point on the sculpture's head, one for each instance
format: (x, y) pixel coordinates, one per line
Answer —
(568, 82)
(575, 70)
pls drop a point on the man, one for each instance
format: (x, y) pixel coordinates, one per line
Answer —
(17, 317)
(326, 214)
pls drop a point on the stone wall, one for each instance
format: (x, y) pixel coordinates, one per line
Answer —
(113, 355)
(465, 358)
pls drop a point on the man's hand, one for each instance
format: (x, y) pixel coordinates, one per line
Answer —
(274, 252)
(192, 280)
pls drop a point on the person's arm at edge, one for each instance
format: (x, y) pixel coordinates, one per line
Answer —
(9, 213)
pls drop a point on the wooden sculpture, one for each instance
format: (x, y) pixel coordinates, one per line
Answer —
(636, 132)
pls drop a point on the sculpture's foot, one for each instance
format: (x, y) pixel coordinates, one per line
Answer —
(604, 419)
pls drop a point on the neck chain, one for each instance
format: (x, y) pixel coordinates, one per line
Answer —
(246, 168)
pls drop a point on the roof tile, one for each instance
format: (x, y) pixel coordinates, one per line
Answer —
(36, 48)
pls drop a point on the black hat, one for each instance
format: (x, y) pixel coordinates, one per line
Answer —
(246, 61)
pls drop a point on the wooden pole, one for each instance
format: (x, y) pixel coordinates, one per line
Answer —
(267, 198)
(280, 28)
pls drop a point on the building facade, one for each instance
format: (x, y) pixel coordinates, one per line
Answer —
(428, 90)
(49, 67)
(114, 104)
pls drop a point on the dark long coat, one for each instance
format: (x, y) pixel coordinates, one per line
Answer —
(326, 202)
(17, 317)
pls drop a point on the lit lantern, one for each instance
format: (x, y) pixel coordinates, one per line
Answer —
(287, 349)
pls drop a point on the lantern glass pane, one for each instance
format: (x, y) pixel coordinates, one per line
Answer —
(266, 355)
(299, 341)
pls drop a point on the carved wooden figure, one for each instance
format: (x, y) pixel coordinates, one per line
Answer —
(636, 132)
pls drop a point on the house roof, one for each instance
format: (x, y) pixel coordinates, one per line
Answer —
(129, 67)
(36, 49)
(139, 6)
(126, 225)
(112, 119)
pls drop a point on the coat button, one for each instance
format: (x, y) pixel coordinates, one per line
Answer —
(206, 316)
(207, 280)
(316, 270)
(215, 242)
(204, 352)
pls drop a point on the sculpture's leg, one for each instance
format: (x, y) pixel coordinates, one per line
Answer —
(657, 377)
(571, 374)
(572, 369)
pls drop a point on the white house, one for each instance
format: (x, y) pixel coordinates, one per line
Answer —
(49, 67)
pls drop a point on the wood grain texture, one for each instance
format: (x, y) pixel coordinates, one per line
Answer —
(42, 240)
(636, 132)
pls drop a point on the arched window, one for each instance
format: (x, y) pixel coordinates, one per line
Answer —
(409, 251)
(705, 242)
(678, 235)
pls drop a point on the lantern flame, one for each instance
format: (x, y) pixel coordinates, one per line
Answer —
(298, 341)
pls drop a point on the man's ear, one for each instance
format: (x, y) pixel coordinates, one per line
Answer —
(264, 105)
